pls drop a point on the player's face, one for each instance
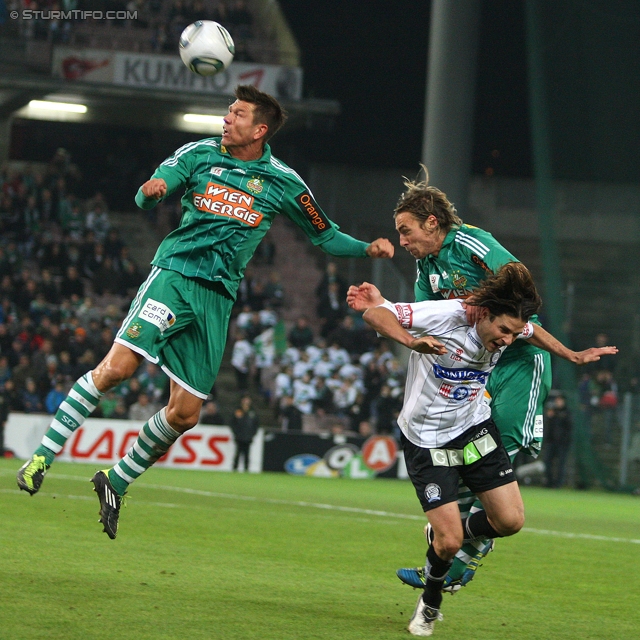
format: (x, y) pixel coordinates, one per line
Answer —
(498, 332)
(419, 238)
(239, 130)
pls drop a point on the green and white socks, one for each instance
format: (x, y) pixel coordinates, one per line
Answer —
(82, 400)
(153, 441)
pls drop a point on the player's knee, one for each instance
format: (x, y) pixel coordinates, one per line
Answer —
(111, 372)
(181, 418)
(447, 545)
(511, 523)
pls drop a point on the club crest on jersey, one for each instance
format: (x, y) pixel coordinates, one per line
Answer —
(459, 281)
(432, 492)
(134, 330)
(255, 185)
(230, 203)
(217, 171)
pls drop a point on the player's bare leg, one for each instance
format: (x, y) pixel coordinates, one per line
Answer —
(118, 365)
(153, 441)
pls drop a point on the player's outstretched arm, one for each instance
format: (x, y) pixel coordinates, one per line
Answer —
(150, 192)
(363, 297)
(342, 245)
(386, 324)
(544, 340)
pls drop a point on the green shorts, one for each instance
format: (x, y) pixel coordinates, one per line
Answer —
(180, 324)
(518, 388)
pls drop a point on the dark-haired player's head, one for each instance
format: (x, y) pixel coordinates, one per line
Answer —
(507, 300)
(266, 109)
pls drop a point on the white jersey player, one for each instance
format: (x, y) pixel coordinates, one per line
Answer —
(447, 430)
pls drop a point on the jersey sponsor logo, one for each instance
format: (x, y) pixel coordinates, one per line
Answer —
(434, 280)
(460, 375)
(405, 315)
(217, 171)
(474, 340)
(157, 314)
(316, 216)
(538, 428)
(481, 263)
(527, 332)
(458, 294)
(458, 393)
(432, 492)
(230, 203)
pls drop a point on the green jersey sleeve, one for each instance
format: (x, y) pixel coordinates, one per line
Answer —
(175, 171)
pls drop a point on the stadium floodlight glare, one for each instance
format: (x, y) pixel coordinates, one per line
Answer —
(202, 118)
(47, 105)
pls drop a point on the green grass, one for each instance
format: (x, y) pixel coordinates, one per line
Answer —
(240, 556)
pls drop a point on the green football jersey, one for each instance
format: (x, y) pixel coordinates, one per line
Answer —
(227, 208)
(468, 255)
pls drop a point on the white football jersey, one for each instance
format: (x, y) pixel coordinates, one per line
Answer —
(444, 393)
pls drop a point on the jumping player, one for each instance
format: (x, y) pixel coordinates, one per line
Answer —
(234, 188)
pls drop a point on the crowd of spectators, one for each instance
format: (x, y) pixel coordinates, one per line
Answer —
(333, 377)
(66, 278)
(162, 20)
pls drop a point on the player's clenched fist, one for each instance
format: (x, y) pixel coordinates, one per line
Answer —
(380, 248)
(154, 188)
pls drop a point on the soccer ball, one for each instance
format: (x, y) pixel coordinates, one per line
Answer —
(206, 47)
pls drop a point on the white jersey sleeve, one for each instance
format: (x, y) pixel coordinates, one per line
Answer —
(431, 317)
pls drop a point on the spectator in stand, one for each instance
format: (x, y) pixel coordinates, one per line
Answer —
(53, 257)
(244, 424)
(113, 244)
(12, 396)
(274, 290)
(301, 335)
(71, 286)
(331, 276)
(5, 369)
(73, 224)
(323, 404)
(49, 287)
(608, 402)
(211, 414)
(107, 279)
(55, 397)
(241, 360)
(31, 400)
(331, 309)
(143, 409)
(303, 394)
(385, 410)
(557, 440)
(290, 415)
(4, 415)
(97, 220)
(23, 371)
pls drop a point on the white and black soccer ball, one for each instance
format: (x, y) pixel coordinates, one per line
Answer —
(206, 47)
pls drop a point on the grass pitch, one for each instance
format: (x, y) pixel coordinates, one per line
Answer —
(276, 557)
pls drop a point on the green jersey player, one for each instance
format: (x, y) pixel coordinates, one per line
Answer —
(233, 189)
(453, 258)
